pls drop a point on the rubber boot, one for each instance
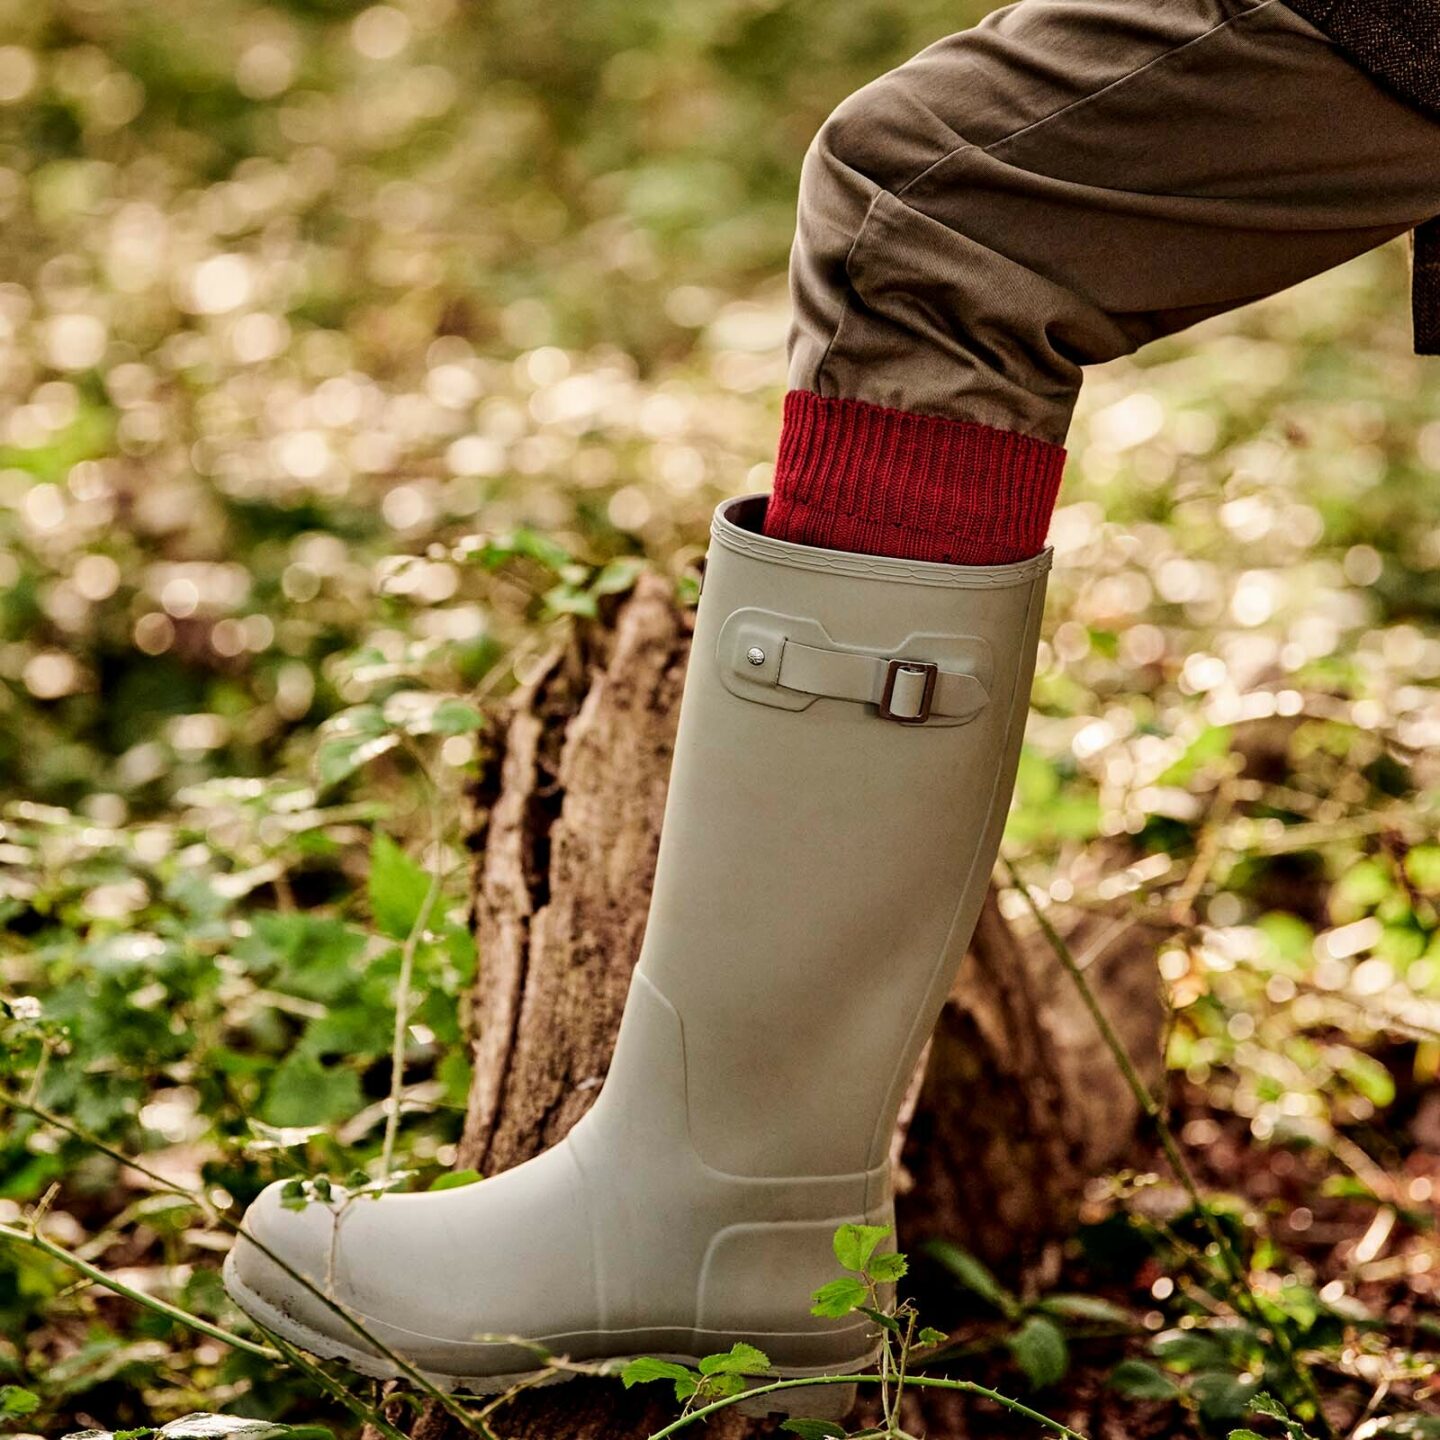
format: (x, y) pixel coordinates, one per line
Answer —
(846, 752)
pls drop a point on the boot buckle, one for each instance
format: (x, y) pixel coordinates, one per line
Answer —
(916, 708)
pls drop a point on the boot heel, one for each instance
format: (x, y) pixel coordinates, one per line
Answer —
(812, 1402)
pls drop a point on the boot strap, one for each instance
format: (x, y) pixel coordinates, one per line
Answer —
(791, 662)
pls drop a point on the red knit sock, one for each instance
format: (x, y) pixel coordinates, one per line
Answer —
(854, 476)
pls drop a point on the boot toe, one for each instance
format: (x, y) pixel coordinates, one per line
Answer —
(277, 1239)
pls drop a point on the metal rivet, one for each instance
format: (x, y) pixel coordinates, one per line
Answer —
(755, 655)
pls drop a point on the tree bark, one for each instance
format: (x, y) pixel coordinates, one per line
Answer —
(1019, 1105)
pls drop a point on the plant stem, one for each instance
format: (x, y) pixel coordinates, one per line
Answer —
(407, 972)
(403, 1366)
(150, 1302)
(1151, 1108)
(968, 1387)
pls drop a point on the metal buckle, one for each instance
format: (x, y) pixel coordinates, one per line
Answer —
(929, 668)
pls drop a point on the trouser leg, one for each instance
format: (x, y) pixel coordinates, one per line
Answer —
(1050, 190)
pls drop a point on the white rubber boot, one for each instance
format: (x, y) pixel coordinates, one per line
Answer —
(846, 753)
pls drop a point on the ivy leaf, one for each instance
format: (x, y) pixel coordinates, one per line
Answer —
(398, 887)
(838, 1298)
(456, 717)
(855, 1244)
(1139, 1381)
(646, 1369)
(1040, 1351)
(740, 1359)
(455, 1179)
(815, 1429)
(302, 1091)
(887, 1268)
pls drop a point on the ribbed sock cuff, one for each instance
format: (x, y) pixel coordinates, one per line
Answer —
(859, 477)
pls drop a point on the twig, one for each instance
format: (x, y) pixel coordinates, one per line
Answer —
(66, 1257)
(968, 1387)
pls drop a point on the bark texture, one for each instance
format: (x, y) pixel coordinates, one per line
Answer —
(1018, 1107)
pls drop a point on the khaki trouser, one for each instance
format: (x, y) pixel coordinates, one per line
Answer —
(1072, 178)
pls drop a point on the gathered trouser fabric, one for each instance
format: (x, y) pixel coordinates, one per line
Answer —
(1070, 179)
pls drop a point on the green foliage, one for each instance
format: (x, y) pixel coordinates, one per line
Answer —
(338, 385)
(1040, 1351)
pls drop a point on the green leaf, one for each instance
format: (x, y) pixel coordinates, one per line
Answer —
(398, 887)
(814, 1429)
(1085, 1307)
(646, 1369)
(740, 1359)
(337, 759)
(1266, 1404)
(618, 576)
(838, 1298)
(1245, 1435)
(930, 1336)
(455, 1179)
(1040, 1351)
(721, 1387)
(855, 1244)
(973, 1275)
(15, 1401)
(1187, 1351)
(456, 717)
(1221, 1394)
(887, 1268)
(302, 1091)
(884, 1321)
(1139, 1381)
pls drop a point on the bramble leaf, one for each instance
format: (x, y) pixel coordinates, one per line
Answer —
(646, 1369)
(838, 1298)
(855, 1244)
(888, 1267)
(740, 1359)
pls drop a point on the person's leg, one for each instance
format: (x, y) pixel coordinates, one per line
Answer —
(852, 723)
(1052, 189)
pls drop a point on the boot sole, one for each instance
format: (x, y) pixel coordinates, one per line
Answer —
(818, 1402)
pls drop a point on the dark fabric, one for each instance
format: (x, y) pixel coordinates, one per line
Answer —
(1398, 42)
(852, 476)
(1425, 288)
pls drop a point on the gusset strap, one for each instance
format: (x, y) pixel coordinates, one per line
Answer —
(910, 689)
(790, 662)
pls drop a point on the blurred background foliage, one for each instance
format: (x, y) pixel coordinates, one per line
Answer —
(345, 352)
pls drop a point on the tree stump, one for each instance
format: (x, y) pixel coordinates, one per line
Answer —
(1019, 1103)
